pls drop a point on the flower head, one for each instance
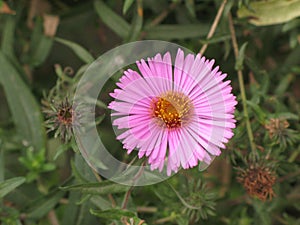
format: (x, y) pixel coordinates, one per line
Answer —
(61, 117)
(179, 114)
(258, 181)
(277, 127)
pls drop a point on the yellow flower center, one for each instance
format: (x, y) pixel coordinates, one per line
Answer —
(171, 109)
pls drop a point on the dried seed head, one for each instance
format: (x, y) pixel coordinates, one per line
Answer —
(258, 181)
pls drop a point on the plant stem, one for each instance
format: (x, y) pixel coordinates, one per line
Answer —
(163, 14)
(53, 218)
(166, 219)
(214, 26)
(242, 87)
(126, 198)
(145, 209)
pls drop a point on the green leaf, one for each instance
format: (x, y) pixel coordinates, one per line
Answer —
(10, 184)
(270, 12)
(7, 42)
(112, 19)
(71, 209)
(284, 84)
(284, 115)
(240, 60)
(127, 5)
(290, 61)
(101, 188)
(76, 214)
(100, 202)
(169, 32)
(40, 45)
(83, 54)
(136, 25)
(2, 161)
(190, 5)
(8, 37)
(41, 51)
(261, 115)
(42, 206)
(291, 25)
(216, 39)
(82, 171)
(23, 107)
(113, 214)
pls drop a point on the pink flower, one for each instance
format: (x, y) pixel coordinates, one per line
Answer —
(179, 115)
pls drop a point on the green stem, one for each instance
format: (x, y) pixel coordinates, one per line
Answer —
(242, 88)
(246, 115)
(2, 166)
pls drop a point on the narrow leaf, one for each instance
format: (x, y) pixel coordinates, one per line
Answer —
(83, 54)
(112, 20)
(169, 32)
(41, 50)
(24, 109)
(2, 161)
(8, 37)
(216, 39)
(240, 60)
(113, 214)
(43, 205)
(285, 115)
(40, 45)
(261, 115)
(127, 5)
(284, 84)
(8, 40)
(190, 5)
(105, 187)
(10, 184)
(137, 23)
(71, 209)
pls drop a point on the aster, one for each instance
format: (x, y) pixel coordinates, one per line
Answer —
(258, 180)
(179, 115)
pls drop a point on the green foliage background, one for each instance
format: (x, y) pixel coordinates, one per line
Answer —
(44, 180)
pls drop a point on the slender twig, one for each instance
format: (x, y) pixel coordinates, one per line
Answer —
(242, 87)
(126, 198)
(163, 14)
(135, 178)
(165, 220)
(145, 209)
(53, 218)
(214, 26)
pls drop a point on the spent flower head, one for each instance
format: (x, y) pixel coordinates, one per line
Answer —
(258, 180)
(61, 117)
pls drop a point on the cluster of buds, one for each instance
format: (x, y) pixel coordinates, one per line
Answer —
(276, 126)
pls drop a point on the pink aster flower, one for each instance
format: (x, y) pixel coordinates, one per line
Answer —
(179, 115)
